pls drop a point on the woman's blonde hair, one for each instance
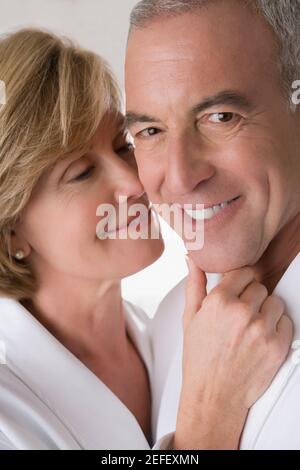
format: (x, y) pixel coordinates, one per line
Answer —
(56, 96)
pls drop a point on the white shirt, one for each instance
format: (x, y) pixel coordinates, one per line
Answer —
(274, 421)
(51, 400)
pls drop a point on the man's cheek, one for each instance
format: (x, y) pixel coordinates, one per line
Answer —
(147, 176)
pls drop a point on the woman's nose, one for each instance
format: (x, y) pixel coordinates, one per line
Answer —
(128, 185)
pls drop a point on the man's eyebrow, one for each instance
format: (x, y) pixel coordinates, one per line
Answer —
(227, 97)
(132, 118)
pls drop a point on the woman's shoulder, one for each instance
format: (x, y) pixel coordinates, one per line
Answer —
(5, 443)
(28, 421)
(8, 303)
(10, 312)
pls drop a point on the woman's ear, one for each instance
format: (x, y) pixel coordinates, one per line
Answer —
(20, 249)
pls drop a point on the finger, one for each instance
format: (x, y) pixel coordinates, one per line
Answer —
(272, 311)
(254, 295)
(285, 333)
(195, 289)
(235, 282)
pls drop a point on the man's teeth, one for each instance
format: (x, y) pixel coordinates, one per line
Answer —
(208, 213)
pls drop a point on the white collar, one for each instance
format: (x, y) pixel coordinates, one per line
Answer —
(92, 413)
(288, 289)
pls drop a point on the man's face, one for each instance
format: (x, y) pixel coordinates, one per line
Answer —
(211, 126)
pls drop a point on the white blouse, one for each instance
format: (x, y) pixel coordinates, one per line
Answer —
(50, 400)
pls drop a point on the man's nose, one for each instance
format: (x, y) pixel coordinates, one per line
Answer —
(186, 166)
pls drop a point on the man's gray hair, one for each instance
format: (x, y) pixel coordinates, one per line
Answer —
(282, 15)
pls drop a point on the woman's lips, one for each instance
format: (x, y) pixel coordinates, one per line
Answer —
(132, 221)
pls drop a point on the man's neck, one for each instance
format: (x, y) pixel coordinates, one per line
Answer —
(279, 255)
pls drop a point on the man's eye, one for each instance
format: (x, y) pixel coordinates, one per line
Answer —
(149, 132)
(222, 118)
(84, 175)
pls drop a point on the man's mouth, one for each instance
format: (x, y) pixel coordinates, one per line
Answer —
(208, 212)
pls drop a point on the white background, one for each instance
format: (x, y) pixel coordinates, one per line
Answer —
(101, 25)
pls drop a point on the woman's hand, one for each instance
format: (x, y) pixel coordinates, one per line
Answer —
(235, 340)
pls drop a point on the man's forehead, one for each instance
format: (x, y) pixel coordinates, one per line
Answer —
(203, 35)
(162, 68)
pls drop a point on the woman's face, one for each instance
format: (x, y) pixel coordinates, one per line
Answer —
(59, 224)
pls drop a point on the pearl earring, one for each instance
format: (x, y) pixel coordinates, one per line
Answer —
(20, 255)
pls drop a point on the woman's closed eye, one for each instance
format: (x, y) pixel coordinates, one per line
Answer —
(123, 151)
(84, 174)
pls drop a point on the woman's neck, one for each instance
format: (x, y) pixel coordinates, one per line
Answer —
(86, 317)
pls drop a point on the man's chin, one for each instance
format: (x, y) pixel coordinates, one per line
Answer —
(211, 261)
